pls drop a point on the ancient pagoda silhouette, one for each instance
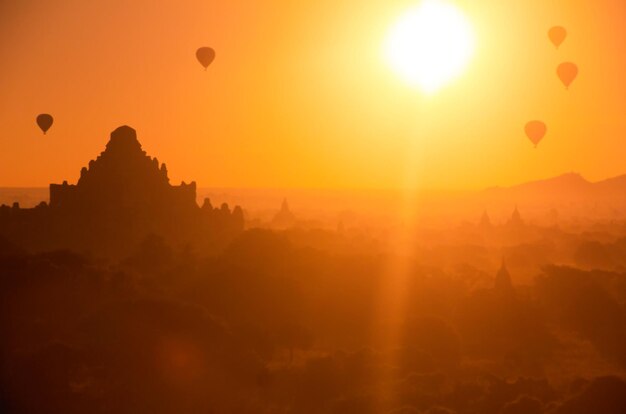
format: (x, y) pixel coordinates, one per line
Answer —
(123, 177)
(284, 219)
(122, 197)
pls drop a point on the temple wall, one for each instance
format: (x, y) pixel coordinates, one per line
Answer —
(61, 194)
(185, 193)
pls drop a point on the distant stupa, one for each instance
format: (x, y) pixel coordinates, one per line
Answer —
(516, 219)
(485, 221)
(503, 282)
(284, 218)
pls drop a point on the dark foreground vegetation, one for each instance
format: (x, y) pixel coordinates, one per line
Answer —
(271, 325)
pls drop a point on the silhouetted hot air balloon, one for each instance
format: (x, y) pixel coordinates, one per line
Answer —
(557, 35)
(536, 130)
(567, 73)
(205, 56)
(45, 122)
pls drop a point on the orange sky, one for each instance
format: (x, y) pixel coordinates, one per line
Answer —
(300, 94)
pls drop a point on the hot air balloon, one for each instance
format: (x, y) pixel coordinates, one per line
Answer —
(205, 56)
(567, 73)
(45, 122)
(557, 35)
(535, 130)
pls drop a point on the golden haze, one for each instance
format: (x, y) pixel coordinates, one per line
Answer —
(316, 108)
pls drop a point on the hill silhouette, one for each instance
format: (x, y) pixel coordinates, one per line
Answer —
(570, 194)
(567, 186)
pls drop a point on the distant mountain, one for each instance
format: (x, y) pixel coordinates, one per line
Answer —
(562, 183)
(615, 184)
(567, 190)
(571, 184)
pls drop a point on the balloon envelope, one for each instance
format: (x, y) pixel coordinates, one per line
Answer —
(557, 35)
(536, 130)
(45, 122)
(205, 56)
(567, 72)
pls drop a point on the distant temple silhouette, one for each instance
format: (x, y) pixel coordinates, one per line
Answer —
(503, 282)
(516, 219)
(485, 221)
(284, 219)
(122, 197)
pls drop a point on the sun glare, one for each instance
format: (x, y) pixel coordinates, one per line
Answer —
(430, 45)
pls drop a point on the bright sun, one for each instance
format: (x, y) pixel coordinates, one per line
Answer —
(430, 45)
